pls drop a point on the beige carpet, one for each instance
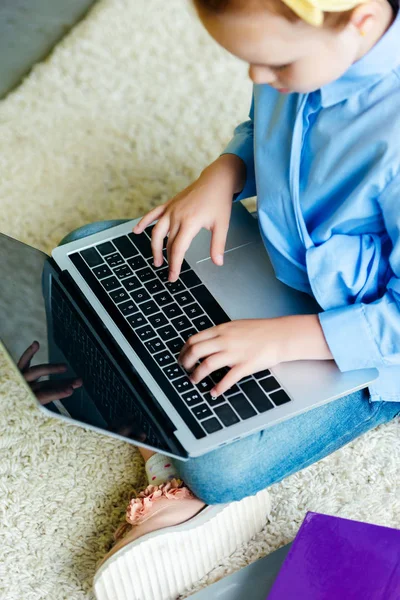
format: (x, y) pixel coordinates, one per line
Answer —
(127, 111)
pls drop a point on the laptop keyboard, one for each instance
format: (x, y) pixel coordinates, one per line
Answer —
(157, 319)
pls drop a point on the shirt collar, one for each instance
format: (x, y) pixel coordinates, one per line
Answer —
(367, 71)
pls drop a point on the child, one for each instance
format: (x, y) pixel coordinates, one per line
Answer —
(321, 151)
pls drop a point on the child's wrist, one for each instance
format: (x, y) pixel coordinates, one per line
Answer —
(303, 339)
(229, 171)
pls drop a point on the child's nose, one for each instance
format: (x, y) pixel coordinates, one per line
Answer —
(261, 74)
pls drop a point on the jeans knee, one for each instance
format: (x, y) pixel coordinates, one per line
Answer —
(226, 474)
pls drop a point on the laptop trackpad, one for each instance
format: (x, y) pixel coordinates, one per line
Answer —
(246, 286)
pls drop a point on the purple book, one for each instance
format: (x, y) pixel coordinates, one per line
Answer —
(338, 559)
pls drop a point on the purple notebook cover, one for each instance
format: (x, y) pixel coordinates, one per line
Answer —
(338, 559)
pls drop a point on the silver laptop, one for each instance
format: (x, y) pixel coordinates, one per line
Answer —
(116, 322)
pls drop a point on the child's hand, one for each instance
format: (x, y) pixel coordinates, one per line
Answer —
(45, 391)
(205, 203)
(247, 346)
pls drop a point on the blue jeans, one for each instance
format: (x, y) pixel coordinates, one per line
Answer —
(259, 460)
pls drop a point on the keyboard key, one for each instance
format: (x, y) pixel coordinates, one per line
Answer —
(182, 385)
(158, 320)
(232, 390)
(226, 415)
(142, 243)
(256, 395)
(279, 398)
(122, 272)
(150, 262)
(154, 286)
(167, 333)
(92, 257)
(172, 310)
(102, 271)
(163, 298)
(214, 401)
(205, 385)
(185, 266)
(262, 374)
(210, 305)
(145, 274)
(111, 283)
(137, 320)
(212, 425)
(124, 246)
(219, 374)
(140, 295)
(105, 248)
(119, 295)
(128, 307)
(175, 345)
(184, 298)
(202, 411)
(192, 398)
(193, 310)
(181, 323)
(149, 307)
(131, 284)
(155, 345)
(174, 286)
(146, 333)
(137, 262)
(173, 372)
(242, 406)
(269, 384)
(164, 358)
(190, 278)
(162, 274)
(187, 333)
(202, 323)
(114, 260)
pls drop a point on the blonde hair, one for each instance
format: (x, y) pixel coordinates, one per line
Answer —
(282, 8)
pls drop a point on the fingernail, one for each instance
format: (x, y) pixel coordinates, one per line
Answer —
(220, 259)
(213, 394)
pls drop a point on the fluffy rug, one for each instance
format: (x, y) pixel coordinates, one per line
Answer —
(126, 111)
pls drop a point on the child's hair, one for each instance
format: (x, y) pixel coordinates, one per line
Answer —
(333, 19)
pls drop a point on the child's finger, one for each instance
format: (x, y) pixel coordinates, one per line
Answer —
(158, 234)
(234, 375)
(197, 351)
(27, 356)
(197, 338)
(218, 241)
(43, 370)
(151, 216)
(173, 232)
(48, 391)
(208, 366)
(178, 250)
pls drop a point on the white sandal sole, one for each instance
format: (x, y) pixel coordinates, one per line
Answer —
(162, 564)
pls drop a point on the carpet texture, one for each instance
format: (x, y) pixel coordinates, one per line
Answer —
(126, 112)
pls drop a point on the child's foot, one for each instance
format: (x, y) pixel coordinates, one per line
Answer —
(174, 540)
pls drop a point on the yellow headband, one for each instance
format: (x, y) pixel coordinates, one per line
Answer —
(312, 11)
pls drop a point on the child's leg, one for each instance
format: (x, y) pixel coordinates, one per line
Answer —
(256, 462)
(90, 229)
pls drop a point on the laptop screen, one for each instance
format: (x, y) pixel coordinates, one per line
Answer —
(38, 304)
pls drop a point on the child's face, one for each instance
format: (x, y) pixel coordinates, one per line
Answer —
(291, 57)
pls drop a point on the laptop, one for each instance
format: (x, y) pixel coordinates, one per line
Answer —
(100, 307)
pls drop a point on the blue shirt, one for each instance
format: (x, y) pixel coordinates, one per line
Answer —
(325, 167)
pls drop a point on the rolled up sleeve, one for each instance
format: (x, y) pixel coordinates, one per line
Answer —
(368, 335)
(242, 145)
